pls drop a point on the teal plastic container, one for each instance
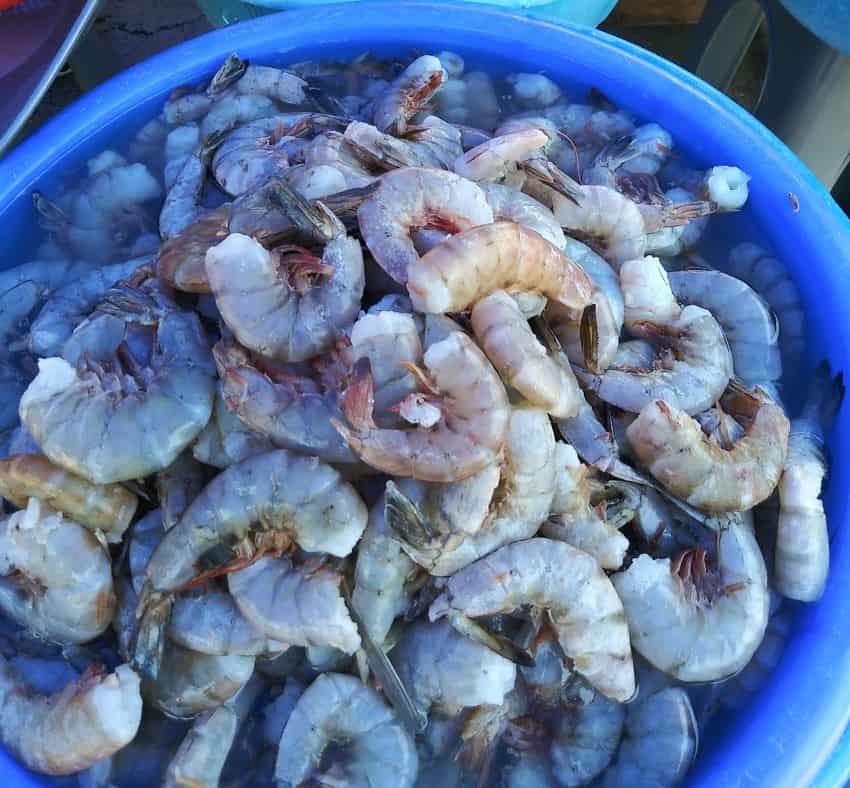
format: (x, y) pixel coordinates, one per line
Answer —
(575, 12)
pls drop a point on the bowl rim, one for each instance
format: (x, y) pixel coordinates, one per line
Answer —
(768, 747)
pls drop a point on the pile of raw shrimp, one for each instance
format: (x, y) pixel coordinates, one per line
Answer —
(379, 424)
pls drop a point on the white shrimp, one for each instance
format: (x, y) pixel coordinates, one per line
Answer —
(470, 98)
(209, 622)
(698, 364)
(123, 415)
(298, 605)
(674, 449)
(57, 576)
(407, 94)
(447, 672)
(249, 155)
(179, 145)
(285, 410)
(191, 683)
(693, 622)
(504, 335)
(332, 149)
(264, 502)
(339, 709)
(802, 539)
(411, 199)
(771, 280)
(465, 528)
(68, 305)
(581, 603)
(515, 206)
(290, 304)
(473, 417)
(430, 143)
(104, 508)
(274, 83)
(497, 159)
(576, 521)
(182, 204)
(68, 731)
(380, 575)
(231, 111)
(747, 321)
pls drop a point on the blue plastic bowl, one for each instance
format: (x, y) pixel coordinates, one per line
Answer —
(786, 734)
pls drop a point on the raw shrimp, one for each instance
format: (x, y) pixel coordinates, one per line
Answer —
(465, 529)
(390, 340)
(261, 503)
(333, 150)
(694, 622)
(576, 521)
(581, 603)
(57, 576)
(226, 439)
(124, 416)
(692, 374)
(249, 155)
(802, 540)
(407, 95)
(186, 105)
(209, 622)
(298, 605)
(771, 280)
(274, 83)
(177, 486)
(179, 145)
(447, 672)
(659, 741)
(105, 508)
(498, 158)
(285, 410)
(200, 758)
(64, 733)
(380, 575)
(705, 475)
(182, 203)
(412, 199)
(747, 321)
(147, 533)
(504, 335)
(514, 206)
(339, 709)
(430, 143)
(68, 305)
(473, 417)
(231, 111)
(191, 683)
(289, 304)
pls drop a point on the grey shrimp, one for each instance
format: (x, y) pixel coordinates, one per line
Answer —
(177, 486)
(430, 143)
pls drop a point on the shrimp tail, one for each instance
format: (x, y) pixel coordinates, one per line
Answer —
(358, 401)
(148, 641)
(229, 73)
(502, 645)
(589, 336)
(314, 220)
(405, 519)
(554, 177)
(50, 216)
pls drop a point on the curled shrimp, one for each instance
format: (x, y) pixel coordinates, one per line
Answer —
(698, 364)
(274, 83)
(674, 449)
(289, 305)
(496, 159)
(133, 411)
(514, 206)
(504, 335)
(340, 709)
(58, 578)
(230, 111)
(694, 622)
(580, 601)
(430, 143)
(413, 199)
(259, 504)
(104, 508)
(747, 321)
(473, 415)
(407, 94)
(69, 731)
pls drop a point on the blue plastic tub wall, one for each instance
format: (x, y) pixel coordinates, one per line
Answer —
(786, 734)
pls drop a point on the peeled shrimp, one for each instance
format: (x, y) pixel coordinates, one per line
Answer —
(473, 416)
(747, 321)
(125, 415)
(290, 305)
(67, 732)
(107, 508)
(694, 622)
(414, 198)
(57, 576)
(692, 374)
(339, 709)
(407, 94)
(298, 605)
(580, 600)
(504, 335)
(447, 672)
(713, 479)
